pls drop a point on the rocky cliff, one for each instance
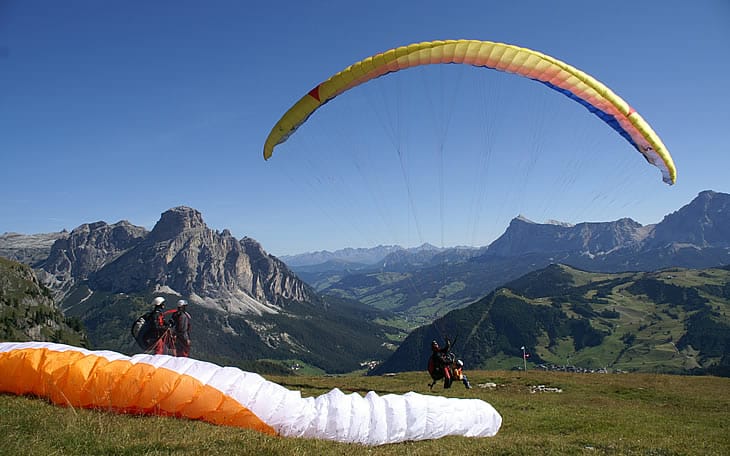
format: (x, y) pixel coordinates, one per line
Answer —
(704, 222)
(84, 251)
(526, 237)
(697, 235)
(181, 255)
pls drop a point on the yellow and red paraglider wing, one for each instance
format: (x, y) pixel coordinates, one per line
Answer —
(577, 85)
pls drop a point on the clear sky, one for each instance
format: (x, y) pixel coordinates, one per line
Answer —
(120, 110)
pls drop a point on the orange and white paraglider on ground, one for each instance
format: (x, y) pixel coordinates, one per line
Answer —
(183, 387)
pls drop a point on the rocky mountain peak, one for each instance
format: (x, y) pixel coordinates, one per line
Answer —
(524, 237)
(703, 222)
(182, 256)
(521, 218)
(176, 221)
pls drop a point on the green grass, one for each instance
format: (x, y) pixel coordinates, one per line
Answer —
(597, 414)
(303, 368)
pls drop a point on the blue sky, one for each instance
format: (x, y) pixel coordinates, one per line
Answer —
(123, 109)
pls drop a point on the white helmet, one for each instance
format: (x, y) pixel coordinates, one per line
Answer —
(158, 301)
(460, 363)
(182, 303)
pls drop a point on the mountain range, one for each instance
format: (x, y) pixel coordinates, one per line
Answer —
(333, 310)
(247, 304)
(423, 287)
(702, 225)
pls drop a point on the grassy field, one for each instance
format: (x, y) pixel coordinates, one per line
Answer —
(593, 414)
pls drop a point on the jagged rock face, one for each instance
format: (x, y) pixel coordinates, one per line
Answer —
(86, 249)
(697, 236)
(606, 237)
(702, 223)
(176, 221)
(523, 237)
(271, 277)
(182, 255)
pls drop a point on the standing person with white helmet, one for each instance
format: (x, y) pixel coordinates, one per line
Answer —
(181, 324)
(158, 320)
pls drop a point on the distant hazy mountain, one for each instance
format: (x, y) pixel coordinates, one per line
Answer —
(424, 256)
(703, 225)
(28, 248)
(344, 256)
(378, 259)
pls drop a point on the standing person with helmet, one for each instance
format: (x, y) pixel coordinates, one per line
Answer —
(181, 324)
(158, 320)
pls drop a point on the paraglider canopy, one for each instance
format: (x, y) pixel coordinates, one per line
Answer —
(184, 387)
(558, 75)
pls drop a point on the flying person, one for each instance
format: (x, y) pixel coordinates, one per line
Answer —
(438, 354)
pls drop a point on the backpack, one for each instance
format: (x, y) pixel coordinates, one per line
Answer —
(141, 329)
